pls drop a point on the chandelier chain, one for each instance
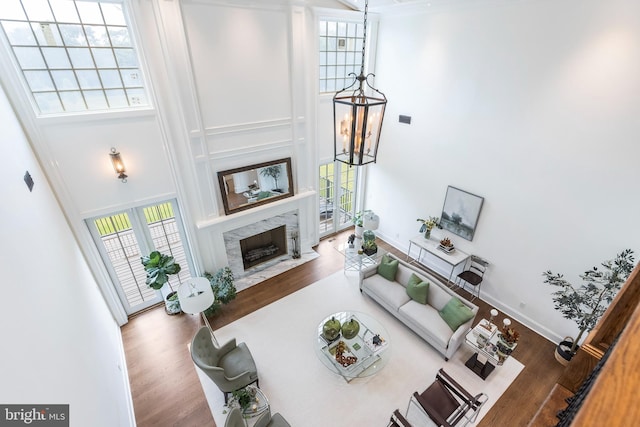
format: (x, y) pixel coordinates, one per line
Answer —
(364, 38)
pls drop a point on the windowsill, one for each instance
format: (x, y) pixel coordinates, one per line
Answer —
(97, 115)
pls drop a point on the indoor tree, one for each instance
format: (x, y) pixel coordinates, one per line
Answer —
(587, 303)
(159, 267)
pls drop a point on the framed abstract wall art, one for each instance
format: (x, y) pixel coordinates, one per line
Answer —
(460, 212)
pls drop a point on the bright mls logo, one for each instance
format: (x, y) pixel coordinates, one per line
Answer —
(34, 415)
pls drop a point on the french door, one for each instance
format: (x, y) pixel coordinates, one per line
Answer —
(123, 237)
(337, 194)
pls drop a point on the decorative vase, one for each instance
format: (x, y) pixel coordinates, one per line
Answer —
(295, 252)
(368, 236)
(172, 305)
(563, 351)
(427, 234)
(505, 348)
(350, 329)
(331, 329)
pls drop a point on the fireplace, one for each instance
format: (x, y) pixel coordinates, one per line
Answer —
(290, 213)
(263, 247)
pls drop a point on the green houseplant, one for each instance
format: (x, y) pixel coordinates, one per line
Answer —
(358, 220)
(159, 267)
(369, 247)
(587, 303)
(223, 287)
(245, 398)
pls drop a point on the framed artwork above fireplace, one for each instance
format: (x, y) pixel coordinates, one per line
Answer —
(255, 185)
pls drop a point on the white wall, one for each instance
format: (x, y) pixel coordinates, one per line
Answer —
(533, 105)
(228, 87)
(60, 343)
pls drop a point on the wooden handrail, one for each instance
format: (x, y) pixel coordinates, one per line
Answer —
(612, 399)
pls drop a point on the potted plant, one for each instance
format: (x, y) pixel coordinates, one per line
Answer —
(159, 267)
(507, 339)
(223, 287)
(587, 303)
(428, 224)
(369, 247)
(358, 221)
(274, 172)
(359, 218)
(245, 398)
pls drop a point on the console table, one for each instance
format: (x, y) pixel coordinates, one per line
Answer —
(430, 246)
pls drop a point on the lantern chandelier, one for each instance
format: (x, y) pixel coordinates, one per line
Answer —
(357, 117)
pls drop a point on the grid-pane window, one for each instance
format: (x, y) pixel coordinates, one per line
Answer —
(121, 246)
(124, 237)
(327, 193)
(74, 55)
(337, 196)
(165, 234)
(340, 53)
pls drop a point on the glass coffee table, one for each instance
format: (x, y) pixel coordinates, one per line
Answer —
(361, 356)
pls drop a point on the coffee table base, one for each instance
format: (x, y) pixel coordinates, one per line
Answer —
(481, 369)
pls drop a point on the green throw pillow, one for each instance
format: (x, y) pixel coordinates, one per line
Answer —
(455, 313)
(417, 289)
(388, 268)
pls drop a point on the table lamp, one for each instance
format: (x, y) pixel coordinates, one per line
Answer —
(196, 295)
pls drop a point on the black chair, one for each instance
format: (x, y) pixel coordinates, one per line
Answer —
(447, 404)
(397, 420)
(473, 275)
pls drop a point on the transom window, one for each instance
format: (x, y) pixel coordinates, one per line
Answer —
(74, 55)
(340, 51)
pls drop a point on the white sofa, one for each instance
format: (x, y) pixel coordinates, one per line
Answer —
(423, 319)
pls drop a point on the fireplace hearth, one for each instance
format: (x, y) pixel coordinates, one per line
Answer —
(263, 247)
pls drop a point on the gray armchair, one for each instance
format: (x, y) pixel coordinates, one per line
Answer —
(234, 419)
(230, 366)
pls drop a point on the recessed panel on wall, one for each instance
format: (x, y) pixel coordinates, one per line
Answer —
(81, 150)
(240, 62)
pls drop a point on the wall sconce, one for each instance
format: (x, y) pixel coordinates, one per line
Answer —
(118, 164)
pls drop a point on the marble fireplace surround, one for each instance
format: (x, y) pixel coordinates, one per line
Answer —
(225, 233)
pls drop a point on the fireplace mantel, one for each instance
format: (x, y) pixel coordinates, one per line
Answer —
(213, 230)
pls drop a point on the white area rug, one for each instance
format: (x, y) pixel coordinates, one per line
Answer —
(281, 337)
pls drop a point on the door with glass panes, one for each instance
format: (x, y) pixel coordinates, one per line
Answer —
(124, 237)
(337, 196)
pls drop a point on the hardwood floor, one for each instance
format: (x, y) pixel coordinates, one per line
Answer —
(166, 390)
